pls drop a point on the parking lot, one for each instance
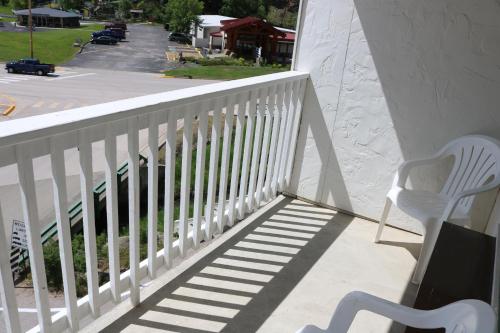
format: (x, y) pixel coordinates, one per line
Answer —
(142, 51)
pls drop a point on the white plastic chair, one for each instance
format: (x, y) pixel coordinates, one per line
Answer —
(467, 316)
(476, 169)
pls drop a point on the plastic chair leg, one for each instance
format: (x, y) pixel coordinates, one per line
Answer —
(383, 219)
(430, 238)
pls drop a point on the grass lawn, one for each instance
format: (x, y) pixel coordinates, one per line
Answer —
(6, 10)
(54, 46)
(222, 72)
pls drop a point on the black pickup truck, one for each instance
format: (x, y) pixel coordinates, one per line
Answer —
(31, 66)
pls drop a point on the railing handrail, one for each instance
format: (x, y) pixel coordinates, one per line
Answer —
(263, 111)
(36, 127)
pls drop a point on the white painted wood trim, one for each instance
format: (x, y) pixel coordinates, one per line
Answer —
(187, 148)
(64, 232)
(200, 176)
(7, 292)
(86, 184)
(112, 212)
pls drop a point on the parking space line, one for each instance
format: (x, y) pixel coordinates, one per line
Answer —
(53, 105)
(69, 77)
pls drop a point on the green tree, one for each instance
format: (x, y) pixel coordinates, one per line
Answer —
(19, 4)
(124, 7)
(282, 17)
(180, 14)
(242, 8)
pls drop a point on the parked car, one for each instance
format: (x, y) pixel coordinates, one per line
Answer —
(29, 66)
(115, 33)
(108, 40)
(116, 24)
(179, 38)
(119, 32)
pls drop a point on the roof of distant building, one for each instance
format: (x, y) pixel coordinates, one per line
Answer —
(46, 12)
(289, 37)
(251, 21)
(212, 20)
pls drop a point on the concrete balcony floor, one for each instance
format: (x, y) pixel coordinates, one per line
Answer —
(287, 265)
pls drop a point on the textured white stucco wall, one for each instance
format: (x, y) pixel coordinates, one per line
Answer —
(391, 80)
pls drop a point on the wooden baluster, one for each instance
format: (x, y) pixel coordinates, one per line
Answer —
(286, 137)
(64, 231)
(200, 175)
(86, 184)
(112, 211)
(235, 170)
(212, 172)
(187, 148)
(133, 209)
(242, 202)
(298, 102)
(226, 154)
(274, 139)
(152, 153)
(7, 292)
(168, 222)
(265, 149)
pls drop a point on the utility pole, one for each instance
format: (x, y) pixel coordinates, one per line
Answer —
(30, 23)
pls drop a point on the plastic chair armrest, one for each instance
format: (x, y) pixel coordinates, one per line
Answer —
(404, 170)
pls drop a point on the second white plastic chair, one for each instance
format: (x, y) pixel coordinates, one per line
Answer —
(476, 168)
(467, 316)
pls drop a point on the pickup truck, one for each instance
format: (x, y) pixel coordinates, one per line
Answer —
(118, 34)
(31, 66)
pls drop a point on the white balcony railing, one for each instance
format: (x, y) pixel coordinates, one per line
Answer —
(263, 150)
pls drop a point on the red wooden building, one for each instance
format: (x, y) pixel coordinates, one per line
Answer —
(243, 36)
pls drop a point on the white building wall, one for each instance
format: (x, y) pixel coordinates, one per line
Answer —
(391, 81)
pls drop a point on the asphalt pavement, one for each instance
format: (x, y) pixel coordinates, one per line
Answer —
(142, 51)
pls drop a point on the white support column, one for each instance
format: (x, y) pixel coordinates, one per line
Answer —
(152, 152)
(212, 172)
(235, 170)
(7, 292)
(133, 209)
(242, 202)
(64, 231)
(200, 176)
(112, 211)
(168, 222)
(30, 214)
(187, 148)
(86, 184)
(226, 154)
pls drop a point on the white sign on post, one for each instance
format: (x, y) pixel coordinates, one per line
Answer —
(18, 236)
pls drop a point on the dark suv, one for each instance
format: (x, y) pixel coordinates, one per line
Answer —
(179, 38)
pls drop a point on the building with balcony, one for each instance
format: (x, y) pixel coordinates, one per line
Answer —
(291, 171)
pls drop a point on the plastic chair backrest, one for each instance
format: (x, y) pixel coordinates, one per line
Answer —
(467, 316)
(476, 163)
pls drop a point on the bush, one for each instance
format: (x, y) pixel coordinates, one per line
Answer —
(53, 265)
(224, 61)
